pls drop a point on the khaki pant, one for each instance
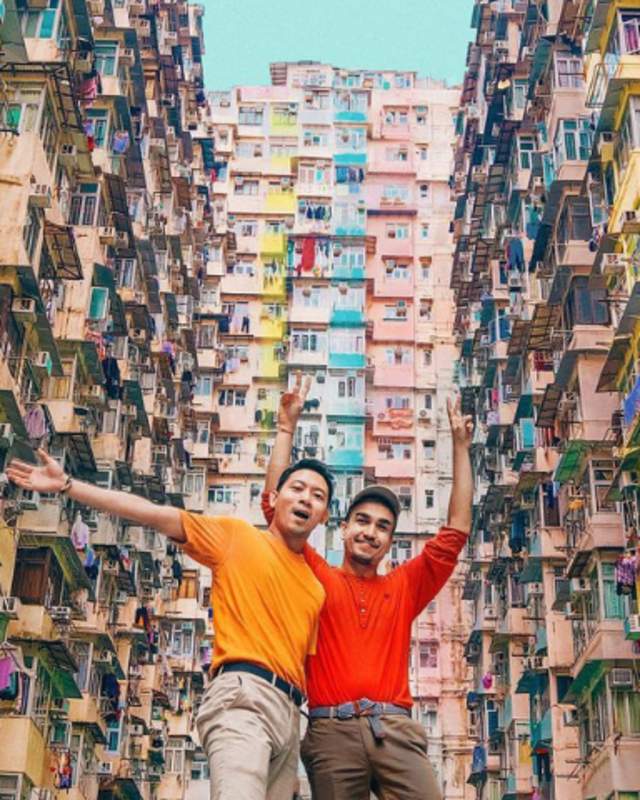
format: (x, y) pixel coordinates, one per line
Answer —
(250, 732)
(344, 761)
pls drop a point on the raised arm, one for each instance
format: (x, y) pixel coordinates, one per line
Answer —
(291, 405)
(49, 477)
(461, 500)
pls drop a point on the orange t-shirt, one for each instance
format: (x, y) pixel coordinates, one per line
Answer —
(265, 597)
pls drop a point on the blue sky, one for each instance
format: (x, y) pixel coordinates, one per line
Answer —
(242, 37)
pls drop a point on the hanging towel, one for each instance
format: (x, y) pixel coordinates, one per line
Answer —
(308, 255)
(79, 533)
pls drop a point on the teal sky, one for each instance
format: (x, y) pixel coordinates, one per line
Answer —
(242, 37)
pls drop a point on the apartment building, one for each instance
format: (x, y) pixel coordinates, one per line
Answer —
(545, 275)
(333, 255)
(105, 211)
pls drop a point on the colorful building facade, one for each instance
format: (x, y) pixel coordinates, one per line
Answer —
(545, 280)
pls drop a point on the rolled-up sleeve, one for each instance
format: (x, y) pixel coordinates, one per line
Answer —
(207, 538)
(427, 573)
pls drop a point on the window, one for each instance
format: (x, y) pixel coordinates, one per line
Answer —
(204, 386)
(425, 310)
(248, 150)
(613, 602)
(396, 116)
(421, 115)
(174, 756)
(569, 72)
(246, 187)
(228, 445)
(573, 141)
(347, 342)
(397, 312)
(422, 153)
(98, 303)
(232, 397)
(520, 89)
(250, 115)
(126, 272)
(396, 154)
(397, 230)
(424, 191)
(429, 449)
(424, 230)
(182, 640)
(526, 146)
(314, 138)
(114, 731)
(429, 498)
(193, 483)
(84, 205)
(207, 337)
(308, 341)
(397, 401)
(42, 24)
(348, 388)
(31, 230)
(429, 655)
(397, 451)
(225, 494)
(427, 359)
(99, 119)
(395, 191)
(248, 228)
(397, 356)
(106, 57)
(21, 112)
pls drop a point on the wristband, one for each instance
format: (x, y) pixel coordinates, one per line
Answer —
(67, 485)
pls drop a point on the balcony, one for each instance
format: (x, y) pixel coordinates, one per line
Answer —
(23, 749)
(394, 468)
(347, 360)
(280, 203)
(346, 406)
(345, 459)
(342, 273)
(347, 317)
(397, 330)
(273, 243)
(392, 375)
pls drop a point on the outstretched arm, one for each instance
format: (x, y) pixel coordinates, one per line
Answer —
(49, 477)
(461, 500)
(291, 405)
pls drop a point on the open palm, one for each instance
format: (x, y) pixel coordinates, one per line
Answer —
(49, 477)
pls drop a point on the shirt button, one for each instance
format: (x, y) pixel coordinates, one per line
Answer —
(362, 610)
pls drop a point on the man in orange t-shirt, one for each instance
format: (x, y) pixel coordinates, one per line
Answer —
(360, 734)
(266, 602)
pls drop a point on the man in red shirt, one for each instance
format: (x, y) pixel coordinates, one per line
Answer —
(360, 734)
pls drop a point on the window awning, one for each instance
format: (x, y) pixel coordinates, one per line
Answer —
(524, 409)
(10, 412)
(599, 13)
(103, 276)
(155, 489)
(592, 671)
(117, 197)
(545, 319)
(183, 192)
(88, 355)
(133, 394)
(519, 336)
(63, 253)
(44, 333)
(81, 453)
(119, 789)
(571, 461)
(616, 358)
(172, 308)
(549, 406)
(531, 571)
(528, 480)
(66, 555)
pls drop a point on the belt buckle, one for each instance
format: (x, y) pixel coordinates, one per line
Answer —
(364, 707)
(342, 713)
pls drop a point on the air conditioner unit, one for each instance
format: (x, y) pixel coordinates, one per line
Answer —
(96, 392)
(107, 234)
(490, 612)
(621, 678)
(633, 626)
(613, 263)
(515, 280)
(535, 589)
(60, 614)
(127, 55)
(122, 598)
(40, 195)
(580, 585)
(136, 730)
(189, 744)
(43, 361)
(129, 410)
(24, 309)
(103, 657)
(29, 500)
(105, 768)
(67, 155)
(10, 607)
(6, 435)
(424, 415)
(122, 239)
(570, 717)
(485, 341)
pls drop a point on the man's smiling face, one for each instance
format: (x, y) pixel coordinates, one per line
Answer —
(367, 533)
(300, 504)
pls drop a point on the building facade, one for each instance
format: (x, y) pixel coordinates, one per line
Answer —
(545, 275)
(333, 210)
(168, 259)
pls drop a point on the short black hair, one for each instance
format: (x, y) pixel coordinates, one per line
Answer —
(315, 466)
